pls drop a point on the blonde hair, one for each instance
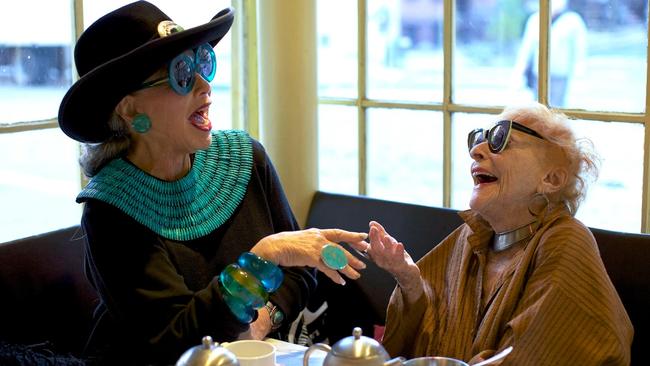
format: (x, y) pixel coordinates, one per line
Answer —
(95, 156)
(578, 155)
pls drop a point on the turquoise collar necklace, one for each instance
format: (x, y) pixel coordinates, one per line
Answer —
(190, 207)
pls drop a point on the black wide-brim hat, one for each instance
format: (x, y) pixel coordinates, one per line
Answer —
(117, 53)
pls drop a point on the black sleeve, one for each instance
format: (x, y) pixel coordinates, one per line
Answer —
(131, 268)
(299, 282)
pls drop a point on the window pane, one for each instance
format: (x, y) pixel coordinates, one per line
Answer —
(597, 55)
(405, 155)
(188, 14)
(338, 149)
(487, 39)
(614, 72)
(461, 177)
(35, 59)
(614, 201)
(337, 48)
(404, 51)
(39, 180)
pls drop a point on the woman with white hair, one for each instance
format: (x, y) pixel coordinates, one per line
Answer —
(522, 271)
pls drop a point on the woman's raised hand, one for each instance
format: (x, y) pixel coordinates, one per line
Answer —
(304, 248)
(390, 255)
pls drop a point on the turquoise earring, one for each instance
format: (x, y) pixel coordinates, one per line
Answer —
(141, 123)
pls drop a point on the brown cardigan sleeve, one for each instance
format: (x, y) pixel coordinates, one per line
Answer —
(404, 320)
(410, 328)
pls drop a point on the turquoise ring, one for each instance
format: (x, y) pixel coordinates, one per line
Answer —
(333, 257)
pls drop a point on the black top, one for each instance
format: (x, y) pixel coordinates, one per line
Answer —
(160, 297)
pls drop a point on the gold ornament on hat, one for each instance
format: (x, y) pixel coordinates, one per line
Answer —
(167, 28)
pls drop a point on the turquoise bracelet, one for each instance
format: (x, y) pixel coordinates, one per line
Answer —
(242, 312)
(245, 286)
(267, 272)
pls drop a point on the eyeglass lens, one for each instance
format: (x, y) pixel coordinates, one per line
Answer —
(206, 62)
(475, 137)
(183, 72)
(497, 136)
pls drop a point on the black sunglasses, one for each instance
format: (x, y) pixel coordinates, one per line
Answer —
(497, 137)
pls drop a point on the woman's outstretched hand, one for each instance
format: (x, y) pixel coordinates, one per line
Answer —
(304, 247)
(390, 255)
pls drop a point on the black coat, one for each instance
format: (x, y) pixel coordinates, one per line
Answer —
(159, 297)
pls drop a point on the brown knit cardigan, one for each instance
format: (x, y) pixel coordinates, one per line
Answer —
(555, 305)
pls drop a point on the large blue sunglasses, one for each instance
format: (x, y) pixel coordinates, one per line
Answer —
(182, 70)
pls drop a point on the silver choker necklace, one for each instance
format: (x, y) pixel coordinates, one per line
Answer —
(505, 240)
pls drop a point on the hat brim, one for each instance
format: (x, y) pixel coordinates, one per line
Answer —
(87, 106)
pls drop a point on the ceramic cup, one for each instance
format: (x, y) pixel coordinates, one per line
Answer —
(252, 352)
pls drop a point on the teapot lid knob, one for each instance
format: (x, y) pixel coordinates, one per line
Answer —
(207, 342)
(356, 332)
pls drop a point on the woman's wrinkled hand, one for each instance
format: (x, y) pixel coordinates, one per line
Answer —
(261, 327)
(390, 255)
(303, 248)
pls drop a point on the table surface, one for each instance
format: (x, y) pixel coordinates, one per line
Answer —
(289, 354)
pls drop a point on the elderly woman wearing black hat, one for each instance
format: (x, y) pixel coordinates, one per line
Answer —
(185, 228)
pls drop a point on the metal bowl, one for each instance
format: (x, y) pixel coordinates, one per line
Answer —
(435, 361)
